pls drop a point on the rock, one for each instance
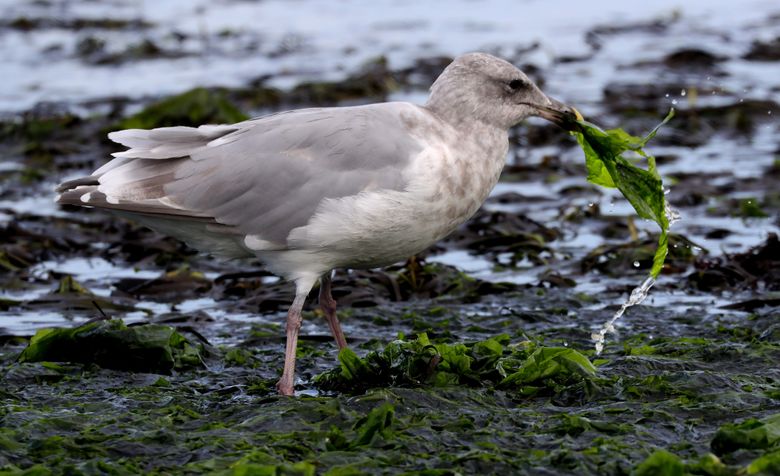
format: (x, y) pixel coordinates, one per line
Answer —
(692, 58)
(757, 267)
(764, 51)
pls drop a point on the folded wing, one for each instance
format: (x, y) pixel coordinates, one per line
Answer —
(260, 178)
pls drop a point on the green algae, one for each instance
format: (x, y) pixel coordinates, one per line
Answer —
(377, 424)
(642, 188)
(68, 285)
(660, 463)
(750, 434)
(766, 464)
(254, 469)
(751, 208)
(665, 463)
(208, 421)
(192, 108)
(111, 344)
(526, 368)
(40, 137)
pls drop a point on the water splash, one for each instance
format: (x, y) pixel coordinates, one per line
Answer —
(639, 293)
(672, 215)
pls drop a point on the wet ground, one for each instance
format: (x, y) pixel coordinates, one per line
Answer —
(545, 262)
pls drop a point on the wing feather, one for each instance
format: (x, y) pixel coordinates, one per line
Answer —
(263, 177)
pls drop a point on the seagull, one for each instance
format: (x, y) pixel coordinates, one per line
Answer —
(308, 191)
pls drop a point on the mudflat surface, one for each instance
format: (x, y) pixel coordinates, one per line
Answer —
(692, 371)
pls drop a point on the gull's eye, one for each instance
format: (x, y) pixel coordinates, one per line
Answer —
(516, 84)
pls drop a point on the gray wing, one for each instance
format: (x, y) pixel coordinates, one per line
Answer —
(262, 177)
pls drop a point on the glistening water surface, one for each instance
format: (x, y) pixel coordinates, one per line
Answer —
(692, 370)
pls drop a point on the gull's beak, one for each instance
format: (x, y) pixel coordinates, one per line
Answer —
(560, 114)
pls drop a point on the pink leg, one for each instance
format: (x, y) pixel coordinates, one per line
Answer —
(286, 384)
(328, 306)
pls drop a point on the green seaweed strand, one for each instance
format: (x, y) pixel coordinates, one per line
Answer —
(643, 188)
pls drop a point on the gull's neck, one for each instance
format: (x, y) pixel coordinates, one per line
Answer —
(471, 128)
(457, 114)
(462, 111)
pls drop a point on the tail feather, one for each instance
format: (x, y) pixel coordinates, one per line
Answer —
(91, 196)
(133, 185)
(72, 184)
(167, 142)
(135, 180)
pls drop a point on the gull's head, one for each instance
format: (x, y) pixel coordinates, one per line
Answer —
(482, 87)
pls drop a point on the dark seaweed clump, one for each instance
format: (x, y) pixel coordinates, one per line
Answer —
(111, 344)
(757, 268)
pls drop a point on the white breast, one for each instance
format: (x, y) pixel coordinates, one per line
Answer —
(447, 185)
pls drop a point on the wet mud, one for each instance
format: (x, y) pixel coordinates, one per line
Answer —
(473, 357)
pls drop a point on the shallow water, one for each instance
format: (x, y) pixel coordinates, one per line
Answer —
(229, 43)
(548, 259)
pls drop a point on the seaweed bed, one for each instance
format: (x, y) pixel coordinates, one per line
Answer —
(163, 361)
(512, 402)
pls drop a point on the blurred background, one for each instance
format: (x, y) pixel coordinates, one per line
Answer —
(81, 51)
(74, 70)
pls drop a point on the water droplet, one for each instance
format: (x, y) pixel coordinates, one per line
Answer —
(667, 94)
(683, 93)
(769, 113)
(741, 100)
(590, 204)
(696, 248)
(636, 264)
(674, 101)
